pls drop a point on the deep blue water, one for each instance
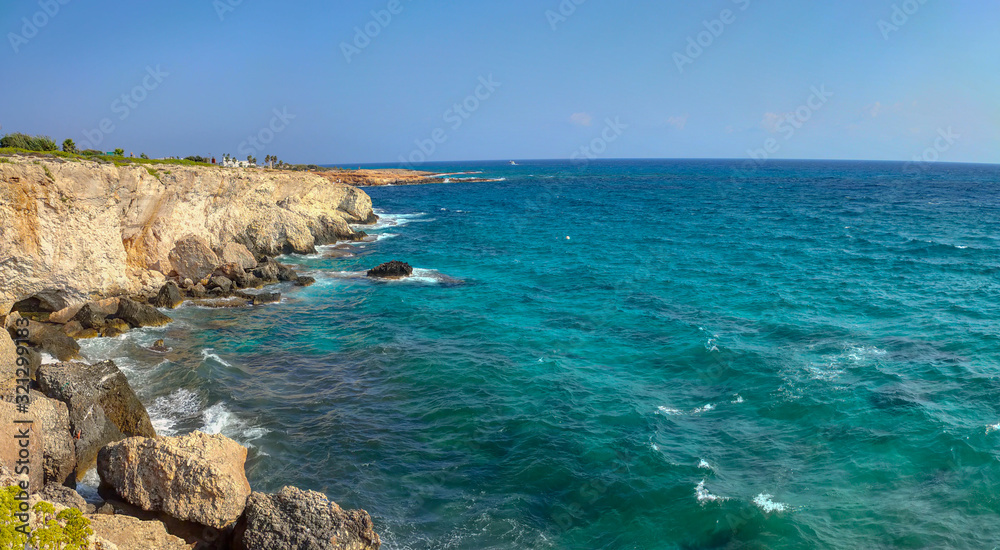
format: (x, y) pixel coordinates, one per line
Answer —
(629, 354)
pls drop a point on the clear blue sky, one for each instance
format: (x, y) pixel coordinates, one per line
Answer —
(892, 98)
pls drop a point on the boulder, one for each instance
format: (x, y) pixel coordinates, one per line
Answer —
(221, 282)
(169, 296)
(91, 316)
(261, 297)
(115, 327)
(129, 533)
(62, 495)
(140, 315)
(58, 445)
(192, 258)
(102, 406)
(304, 520)
(197, 477)
(198, 291)
(65, 314)
(229, 271)
(248, 280)
(234, 253)
(391, 270)
(267, 269)
(159, 347)
(52, 341)
(18, 427)
(305, 281)
(286, 273)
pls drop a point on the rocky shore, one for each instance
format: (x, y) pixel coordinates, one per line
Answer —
(91, 250)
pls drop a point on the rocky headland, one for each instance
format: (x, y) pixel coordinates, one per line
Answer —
(92, 249)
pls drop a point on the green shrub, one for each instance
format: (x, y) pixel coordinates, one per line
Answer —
(69, 146)
(31, 143)
(119, 152)
(91, 153)
(153, 172)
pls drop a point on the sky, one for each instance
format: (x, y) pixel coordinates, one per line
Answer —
(402, 81)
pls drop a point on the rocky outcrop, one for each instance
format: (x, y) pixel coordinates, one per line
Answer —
(305, 520)
(391, 270)
(129, 533)
(59, 494)
(96, 227)
(52, 341)
(169, 296)
(102, 406)
(140, 315)
(196, 477)
(58, 445)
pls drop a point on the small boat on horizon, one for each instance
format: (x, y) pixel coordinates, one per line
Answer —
(512, 163)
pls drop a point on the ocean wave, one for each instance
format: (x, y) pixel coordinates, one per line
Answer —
(208, 353)
(419, 276)
(218, 419)
(394, 220)
(764, 502)
(168, 411)
(703, 464)
(703, 496)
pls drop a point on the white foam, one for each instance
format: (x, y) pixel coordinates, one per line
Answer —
(993, 427)
(705, 408)
(207, 354)
(704, 496)
(738, 400)
(764, 502)
(167, 411)
(218, 419)
(668, 411)
(87, 487)
(394, 220)
(702, 463)
(48, 359)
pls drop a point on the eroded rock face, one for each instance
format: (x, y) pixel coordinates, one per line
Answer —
(391, 270)
(8, 364)
(192, 258)
(11, 447)
(305, 520)
(58, 445)
(197, 477)
(58, 494)
(53, 341)
(102, 406)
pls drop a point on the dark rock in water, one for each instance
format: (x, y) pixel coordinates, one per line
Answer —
(115, 327)
(102, 406)
(60, 494)
(90, 316)
(286, 273)
(358, 236)
(224, 283)
(248, 280)
(265, 298)
(304, 281)
(158, 346)
(220, 303)
(340, 253)
(267, 269)
(140, 315)
(293, 518)
(53, 341)
(391, 270)
(169, 296)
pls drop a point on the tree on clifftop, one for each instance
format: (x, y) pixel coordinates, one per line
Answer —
(69, 146)
(119, 152)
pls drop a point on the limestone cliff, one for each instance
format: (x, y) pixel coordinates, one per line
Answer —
(72, 228)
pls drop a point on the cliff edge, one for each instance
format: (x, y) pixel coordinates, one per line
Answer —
(73, 228)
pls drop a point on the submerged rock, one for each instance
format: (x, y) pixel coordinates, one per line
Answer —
(197, 477)
(391, 270)
(159, 347)
(102, 406)
(140, 315)
(305, 520)
(305, 281)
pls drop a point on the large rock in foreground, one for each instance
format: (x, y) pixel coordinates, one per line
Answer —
(102, 406)
(129, 533)
(59, 447)
(391, 270)
(197, 477)
(53, 341)
(304, 520)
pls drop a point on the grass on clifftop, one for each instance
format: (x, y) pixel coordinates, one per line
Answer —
(118, 161)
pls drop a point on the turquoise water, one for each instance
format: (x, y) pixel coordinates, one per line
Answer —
(640, 355)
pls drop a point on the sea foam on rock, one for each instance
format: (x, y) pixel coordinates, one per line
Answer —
(197, 477)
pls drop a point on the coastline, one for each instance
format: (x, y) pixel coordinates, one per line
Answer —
(167, 236)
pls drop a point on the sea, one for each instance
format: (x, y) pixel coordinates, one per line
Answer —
(626, 354)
